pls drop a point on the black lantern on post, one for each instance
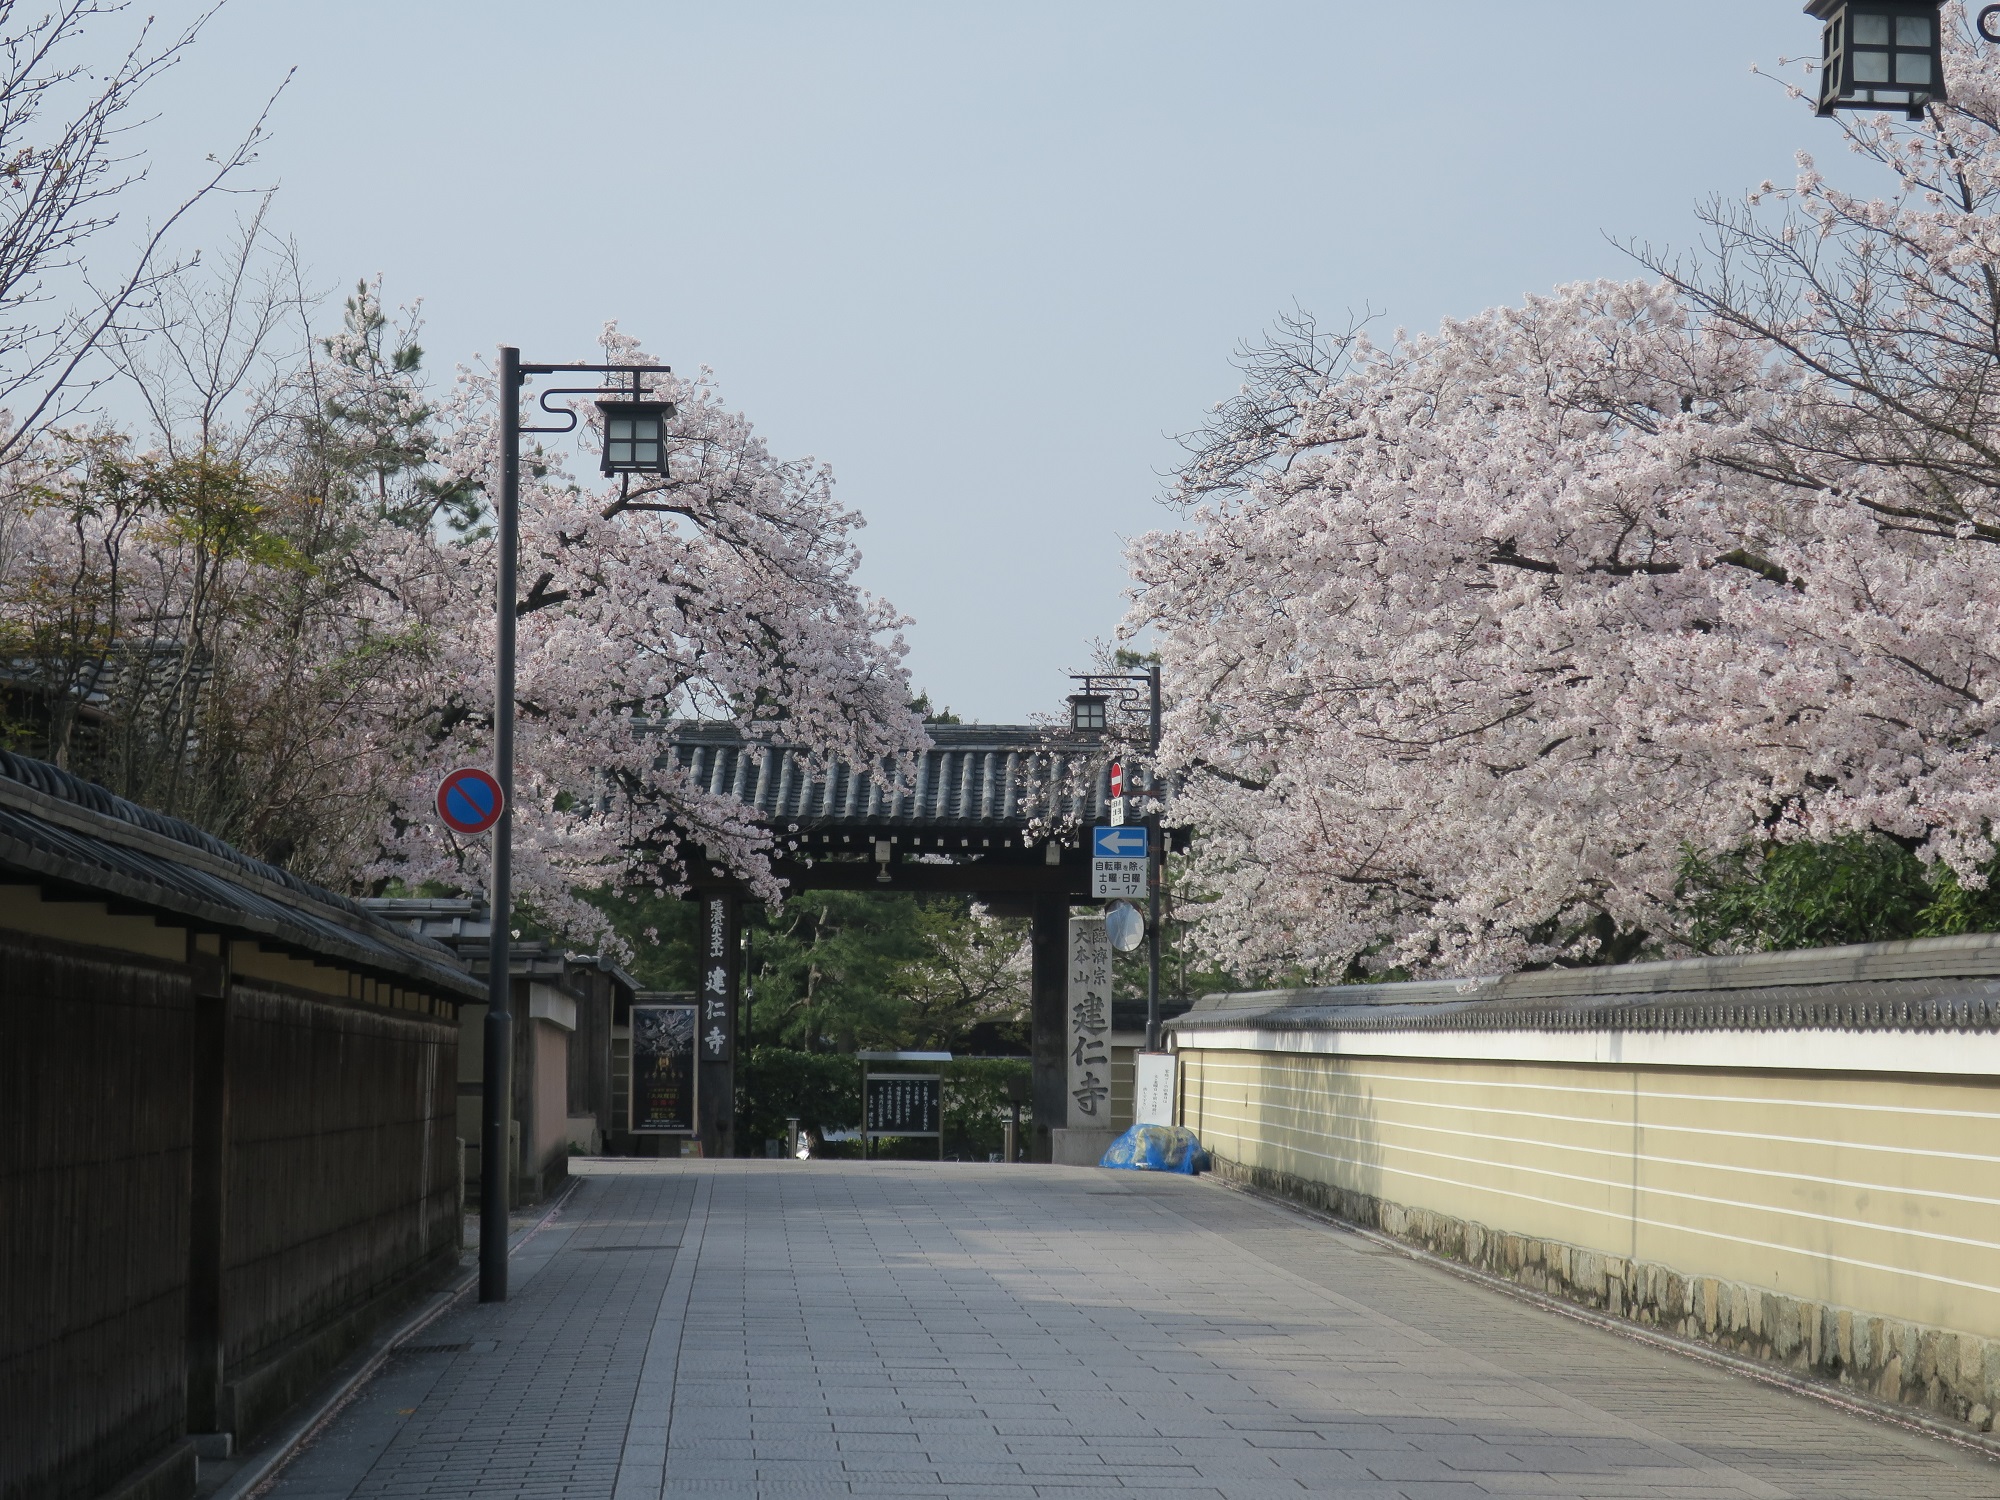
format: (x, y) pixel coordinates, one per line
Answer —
(635, 436)
(1879, 54)
(1089, 713)
(635, 442)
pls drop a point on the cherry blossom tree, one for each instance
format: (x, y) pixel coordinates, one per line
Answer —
(279, 621)
(724, 591)
(1474, 640)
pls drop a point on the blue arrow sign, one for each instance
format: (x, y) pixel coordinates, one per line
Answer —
(1118, 843)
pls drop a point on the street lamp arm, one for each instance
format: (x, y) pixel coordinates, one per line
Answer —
(593, 369)
(569, 412)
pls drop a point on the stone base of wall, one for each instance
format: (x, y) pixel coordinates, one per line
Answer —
(1954, 1375)
(172, 1474)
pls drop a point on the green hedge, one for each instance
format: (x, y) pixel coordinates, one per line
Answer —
(975, 1104)
(824, 1089)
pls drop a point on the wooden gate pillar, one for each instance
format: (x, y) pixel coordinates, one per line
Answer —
(715, 1023)
(1048, 1032)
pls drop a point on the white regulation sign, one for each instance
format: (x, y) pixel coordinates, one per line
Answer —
(1118, 861)
(1118, 877)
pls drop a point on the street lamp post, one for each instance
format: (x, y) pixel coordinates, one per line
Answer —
(635, 443)
(1089, 713)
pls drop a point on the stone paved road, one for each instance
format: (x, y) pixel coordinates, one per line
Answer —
(807, 1329)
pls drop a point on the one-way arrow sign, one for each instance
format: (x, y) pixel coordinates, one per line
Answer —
(1118, 843)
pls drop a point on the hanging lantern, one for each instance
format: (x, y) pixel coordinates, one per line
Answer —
(1089, 713)
(1879, 54)
(635, 436)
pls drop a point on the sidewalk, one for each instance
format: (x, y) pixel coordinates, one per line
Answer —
(822, 1328)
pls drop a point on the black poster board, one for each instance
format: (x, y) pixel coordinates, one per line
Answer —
(904, 1103)
(663, 1075)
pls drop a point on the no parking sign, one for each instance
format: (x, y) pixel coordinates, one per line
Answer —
(469, 801)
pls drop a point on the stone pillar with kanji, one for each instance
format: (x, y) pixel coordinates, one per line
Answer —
(721, 946)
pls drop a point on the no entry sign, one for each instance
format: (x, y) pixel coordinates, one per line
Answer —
(469, 800)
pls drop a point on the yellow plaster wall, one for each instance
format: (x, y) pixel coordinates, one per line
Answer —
(248, 961)
(23, 910)
(1875, 1192)
(1124, 1074)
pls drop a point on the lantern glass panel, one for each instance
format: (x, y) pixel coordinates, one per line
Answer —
(1913, 67)
(1913, 31)
(1871, 30)
(1871, 67)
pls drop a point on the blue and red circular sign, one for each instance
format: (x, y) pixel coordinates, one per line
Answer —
(469, 800)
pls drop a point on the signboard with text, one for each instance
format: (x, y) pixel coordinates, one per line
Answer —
(1118, 862)
(1087, 1010)
(904, 1103)
(1153, 1089)
(663, 1072)
(718, 980)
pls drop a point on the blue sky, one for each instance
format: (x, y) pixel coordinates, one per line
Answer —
(983, 260)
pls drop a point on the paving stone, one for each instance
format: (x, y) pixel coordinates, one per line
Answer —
(1019, 1333)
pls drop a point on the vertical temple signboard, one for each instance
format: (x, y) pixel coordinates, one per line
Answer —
(1088, 1014)
(718, 979)
(663, 1071)
(715, 1029)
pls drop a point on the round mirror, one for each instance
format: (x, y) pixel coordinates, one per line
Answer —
(1124, 926)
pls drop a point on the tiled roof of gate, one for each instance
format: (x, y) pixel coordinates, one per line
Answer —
(1929, 984)
(60, 827)
(983, 776)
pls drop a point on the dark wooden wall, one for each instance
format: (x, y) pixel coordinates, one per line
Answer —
(187, 1183)
(590, 1049)
(95, 1132)
(343, 1158)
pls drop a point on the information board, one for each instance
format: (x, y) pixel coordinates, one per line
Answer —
(663, 1076)
(904, 1103)
(1153, 1089)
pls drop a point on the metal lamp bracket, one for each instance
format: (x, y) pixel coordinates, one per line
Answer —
(568, 414)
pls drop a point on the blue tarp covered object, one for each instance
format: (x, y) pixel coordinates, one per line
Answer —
(1157, 1148)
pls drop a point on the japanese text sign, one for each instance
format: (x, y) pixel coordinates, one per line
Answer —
(1087, 1009)
(718, 978)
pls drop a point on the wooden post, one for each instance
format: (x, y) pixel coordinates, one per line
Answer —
(715, 1023)
(1048, 990)
(208, 1187)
